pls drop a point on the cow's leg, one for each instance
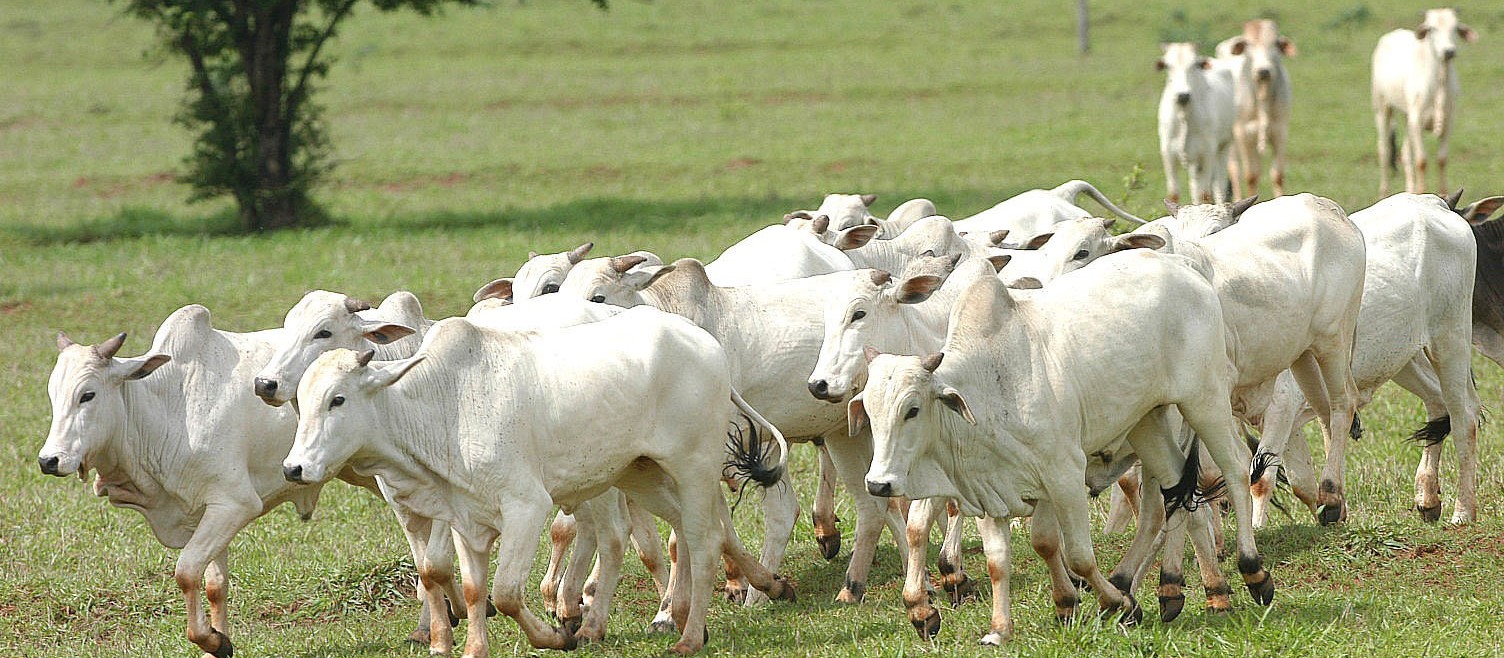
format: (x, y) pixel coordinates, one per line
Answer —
(1279, 134)
(433, 551)
(1172, 185)
(823, 513)
(780, 513)
(1151, 514)
(1171, 591)
(1383, 119)
(918, 593)
(1044, 536)
(997, 541)
(1451, 355)
(217, 590)
(1161, 462)
(1217, 175)
(952, 572)
(705, 536)
(1073, 514)
(852, 457)
(1200, 525)
(1281, 422)
(1333, 379)
(218, 526)
(515, 538)
(758, 576)
(1211, 419)
(1443, 150)
(417, 546)
(1301, 471)
(1420, 378)
(611, 545)
(560, 535)
(1199, 176)
(649, 545)
(663, 621)
(1238, 164)
(1414, 152)
(580, 566)
(1123, 504)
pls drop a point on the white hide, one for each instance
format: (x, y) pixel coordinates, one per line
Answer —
(1413, 75)
(1196, 113)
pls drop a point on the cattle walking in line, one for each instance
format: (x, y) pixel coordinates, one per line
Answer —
(1261, 90)
(1196, 114)
(1413, 74)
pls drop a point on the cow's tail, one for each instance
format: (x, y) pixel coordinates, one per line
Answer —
(750, 452)
(1071, 189)
(1190, 493)
(1433, 432)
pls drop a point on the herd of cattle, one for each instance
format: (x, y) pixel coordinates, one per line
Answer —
(943, 369)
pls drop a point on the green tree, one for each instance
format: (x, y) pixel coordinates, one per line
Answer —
(253, 65)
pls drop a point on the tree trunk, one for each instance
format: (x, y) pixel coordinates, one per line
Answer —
(276, 201)
(1083, 41)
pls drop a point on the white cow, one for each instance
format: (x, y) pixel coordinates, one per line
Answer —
(1290, 275)
(176, 435)
(1005, 425)
(483, 429)
(775, 253)
(1261, 90)
(1196, 114)
(936, 235)
(542, 274)
(1413, 74)
(772, 335)
(1033, 212)
(848, 210)
(1413, 328)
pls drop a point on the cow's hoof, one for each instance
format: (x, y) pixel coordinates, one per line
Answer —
(683, 648)
(1132, 615)
(783, 590)
(852, 593)
(1330, 514)
(1170, 607)
(1262, 591)
(420, 637)
(927, 625)
(830, 545)
(993, 639)
(961, 592)
(663, 626)
(225, 650)
(1430, 514)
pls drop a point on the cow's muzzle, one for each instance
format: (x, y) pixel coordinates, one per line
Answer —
(266, 389)
(293, 474)
(883, 489)
(1183, 99)
(821, 390)
(49, 464)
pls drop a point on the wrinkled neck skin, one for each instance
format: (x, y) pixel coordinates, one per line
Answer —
(129, 466)
(988, 473)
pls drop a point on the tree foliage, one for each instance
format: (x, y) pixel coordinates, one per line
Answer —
(254, 64)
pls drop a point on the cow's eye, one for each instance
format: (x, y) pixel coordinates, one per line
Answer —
(911, 413)
(599, 299)
(336, 401)
(550, 288)
(323, 333)
(858, 315)
(1081, 255)
(88, 395)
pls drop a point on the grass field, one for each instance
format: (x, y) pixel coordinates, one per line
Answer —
(677, 126)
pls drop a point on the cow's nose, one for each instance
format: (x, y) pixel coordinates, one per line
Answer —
(48, 464)
(1449, 53)
(819, 388)
(883, 489)
(1263, 74)
(1183, 99)
(293, 473)
(265, 388)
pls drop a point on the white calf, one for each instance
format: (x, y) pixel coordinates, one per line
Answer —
(1413, 74)
(1262, 94)
(1196, 113)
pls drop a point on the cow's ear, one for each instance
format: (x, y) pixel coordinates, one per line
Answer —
(1038, 241)
(1137, 241)
(1205, 63)
(1480, 210)
(382, 375)
(1239, 46)
(952, 399)
(1422, 31)
(917, 289)
(138, 367)
(854, 237)
(639, 278)
(1159, 64)
(856, 415)
(1286, 47)
(498, 289)
(382, 333)
(1467, 33)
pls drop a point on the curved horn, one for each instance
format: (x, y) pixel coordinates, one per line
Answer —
(997, 237)
(1242, 205)
(932, 361)
(880, 277)
(352, 305)
(1453, 199)
(64, 342)
(623, 263)
(364, 358)
(869, 199)
(578, 253)
(1172, 207)
(822, 224)
(108, 348)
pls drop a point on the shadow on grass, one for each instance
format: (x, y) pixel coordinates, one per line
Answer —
(131, 222)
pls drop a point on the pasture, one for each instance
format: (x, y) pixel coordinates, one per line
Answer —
(466, 140)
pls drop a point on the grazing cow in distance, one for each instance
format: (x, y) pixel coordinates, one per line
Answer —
(660, 407)
(1196, 114)
(1413, 74)
(1261, 89)
(176, 435)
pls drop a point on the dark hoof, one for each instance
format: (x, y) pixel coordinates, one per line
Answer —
(570, 626)
(929, 626)
(1170, 607)
(1133, 615)
(420, 637)
(570, 641)
(1430, 514)
(226, 650)
(449, 612)
(663, 626)
(961, 592)
(1263, 593)
(830, 546)
(785, 590)
(1329, 514)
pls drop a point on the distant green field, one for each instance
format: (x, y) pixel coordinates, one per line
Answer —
(677, 126)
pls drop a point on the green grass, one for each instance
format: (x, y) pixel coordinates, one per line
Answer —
(466, 140)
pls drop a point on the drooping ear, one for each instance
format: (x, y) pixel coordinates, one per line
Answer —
(856, 415)
(1025, 283)
(1239, 46)
(1204, 63)
(1242, 205)
(498, 289)
(1137, 241)
(869, 199)
(1479, 211)
(382, 333)
(821, 224)
(996, 237)
(931, 361)
(1172, 207)
(385, 374)
(999, 262)
(578, 253)
(1038, 241)
(952, 399)
(108, 348)
(1159, 64)
(855, 237)
(1422, 31)
(1467, 33)
(138, 367)
(354, 305)
(917, 289)
(64, 342)
(1286, 47)
(642, 277)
